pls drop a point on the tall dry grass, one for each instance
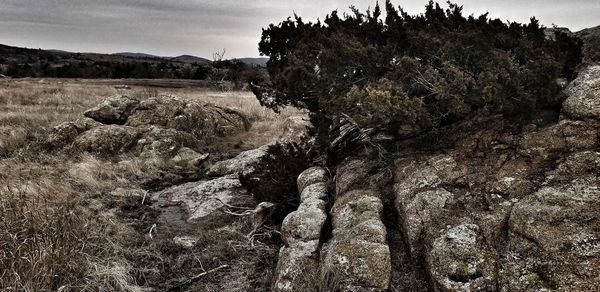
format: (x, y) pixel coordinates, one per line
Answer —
(57, 231)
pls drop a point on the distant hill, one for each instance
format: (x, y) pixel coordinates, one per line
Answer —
(24, 62)
(136, 55)
(190, 59)
(59, 51)
(260, 62)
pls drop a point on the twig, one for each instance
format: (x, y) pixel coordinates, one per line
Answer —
(196, 278)
(151, 229)
(144, 198)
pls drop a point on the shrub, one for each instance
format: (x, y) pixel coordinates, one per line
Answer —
(420, 70)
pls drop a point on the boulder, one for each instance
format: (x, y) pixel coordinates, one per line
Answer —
(161, 147)
(350, 174)
(459, 261)
(158, 111)
(66, 132)
(356, 265)
(200, 119)
(245, 161)
(583, 95)
(304, 224)
(113, 110)
(206, 200)
(591, 44)
(108, 140)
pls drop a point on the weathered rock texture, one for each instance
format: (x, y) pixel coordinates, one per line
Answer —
(507, 209)
(298, 263)
(208, 199)
(582, 101)
(113, 110)
(166, 132)
(357, 255)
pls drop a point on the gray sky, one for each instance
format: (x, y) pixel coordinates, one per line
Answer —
(200, 27)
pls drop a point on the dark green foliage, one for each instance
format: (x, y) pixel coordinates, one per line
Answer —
(424, 70)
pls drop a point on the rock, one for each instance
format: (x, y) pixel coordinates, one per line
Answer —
(296, 130)
(297, 268)
(113, 110)
(418, 211)
(204, 119)
(208, 199)
(312, 176)
(158, 111)
(161, 148)
(357, 255)
(357, 265)
(554, 239)
(245, 161)
(108, 139)
(66, 132)
(583, 95)
(556, 140)
(458, 261)
(304, 224)
(349, 174)
(197, 118)
(356, 215)
(573, 166)
(298, 262)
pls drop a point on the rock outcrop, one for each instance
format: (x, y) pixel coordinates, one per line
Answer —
(113, 110)
(165, 132)
(200, 119)
(582, 101)
(298, 263)
(65, 133)
(108, 139)
(357, 256)
(505, 209)
(208, 199)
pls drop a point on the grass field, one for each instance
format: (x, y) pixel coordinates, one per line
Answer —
(56, 231)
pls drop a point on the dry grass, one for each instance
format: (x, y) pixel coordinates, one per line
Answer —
(60, 228)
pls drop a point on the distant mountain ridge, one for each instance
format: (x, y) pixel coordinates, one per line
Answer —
(24, 62)
(261, 62)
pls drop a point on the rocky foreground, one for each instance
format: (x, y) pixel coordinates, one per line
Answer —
(493, 208)
(486, 206)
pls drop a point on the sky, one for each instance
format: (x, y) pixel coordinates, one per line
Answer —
(201, 27)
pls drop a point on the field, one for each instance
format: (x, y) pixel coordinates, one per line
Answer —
(65, 227)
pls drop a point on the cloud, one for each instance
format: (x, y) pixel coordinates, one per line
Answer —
(204, 26)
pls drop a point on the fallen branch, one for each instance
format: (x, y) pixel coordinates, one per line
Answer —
(193, 279)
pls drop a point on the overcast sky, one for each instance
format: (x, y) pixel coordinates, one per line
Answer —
(200, 27)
